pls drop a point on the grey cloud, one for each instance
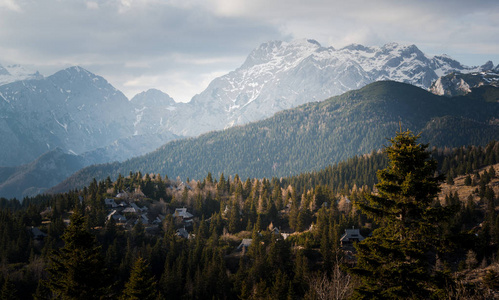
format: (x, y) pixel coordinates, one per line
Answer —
(69, 28)
(138, 44)
(118, 42)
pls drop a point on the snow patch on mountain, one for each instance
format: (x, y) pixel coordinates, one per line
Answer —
(13, 73)
(456, 83)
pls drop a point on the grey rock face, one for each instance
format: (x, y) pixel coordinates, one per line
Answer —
(456, 84)
(76, 111)
(72, 109)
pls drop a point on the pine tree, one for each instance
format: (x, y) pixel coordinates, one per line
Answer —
(141, 284)
(234, 217)
(77, 271)
(280, 286)
(8, 291)
(395, 263)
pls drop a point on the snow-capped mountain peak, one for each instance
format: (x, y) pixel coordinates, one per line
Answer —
(455, 84)
(16, 72)
(489, 65)
(3, 71)
(76, 73)
(279, 75)
(279, 50)
(153, 98)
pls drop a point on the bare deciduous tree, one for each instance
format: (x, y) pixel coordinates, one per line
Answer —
(337, 286)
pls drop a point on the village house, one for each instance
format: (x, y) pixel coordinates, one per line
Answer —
(183, 215)
(127, 213)
(274, 230)
(134, 209)
(37, 233)
(110, 203)
(351, 236)
(144, 219)
(245, 243)
(182, 232)
(159, 219)
(118, 218)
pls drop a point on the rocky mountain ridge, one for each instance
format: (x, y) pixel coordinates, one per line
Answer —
(455, 84)
(74, 110)
(279, 75)
(12, 73)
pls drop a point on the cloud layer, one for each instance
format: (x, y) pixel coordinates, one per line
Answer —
(180, 46)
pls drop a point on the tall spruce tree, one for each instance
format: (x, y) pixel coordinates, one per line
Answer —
(397, 262)
(77, 270)
(8, 291)
(141, 285)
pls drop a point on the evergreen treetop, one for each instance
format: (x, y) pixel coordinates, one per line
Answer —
(397, 262)
(142, 284)
(77, 270)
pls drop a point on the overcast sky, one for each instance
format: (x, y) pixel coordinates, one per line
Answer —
(179, 46)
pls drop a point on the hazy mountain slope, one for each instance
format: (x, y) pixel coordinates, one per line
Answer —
(72, 109)
(315, 135)
(78, 112)
(37, 176)
(12, 73)
(54, 166)
(126, 148)
(156, 112)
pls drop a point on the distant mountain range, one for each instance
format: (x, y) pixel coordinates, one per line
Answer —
(74, 110)
(279, 75)
(80, 113)
(315, 135)
(12, 73)
(455, 84)
(35, 177)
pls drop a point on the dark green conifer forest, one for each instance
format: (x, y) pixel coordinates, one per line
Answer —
(149, 236)
(394, 262)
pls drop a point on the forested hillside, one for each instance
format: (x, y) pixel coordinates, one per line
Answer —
(33, 178)
(235, 238)
(318, 134)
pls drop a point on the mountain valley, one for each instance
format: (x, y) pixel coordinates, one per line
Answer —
(316, 134)
(80, 113)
